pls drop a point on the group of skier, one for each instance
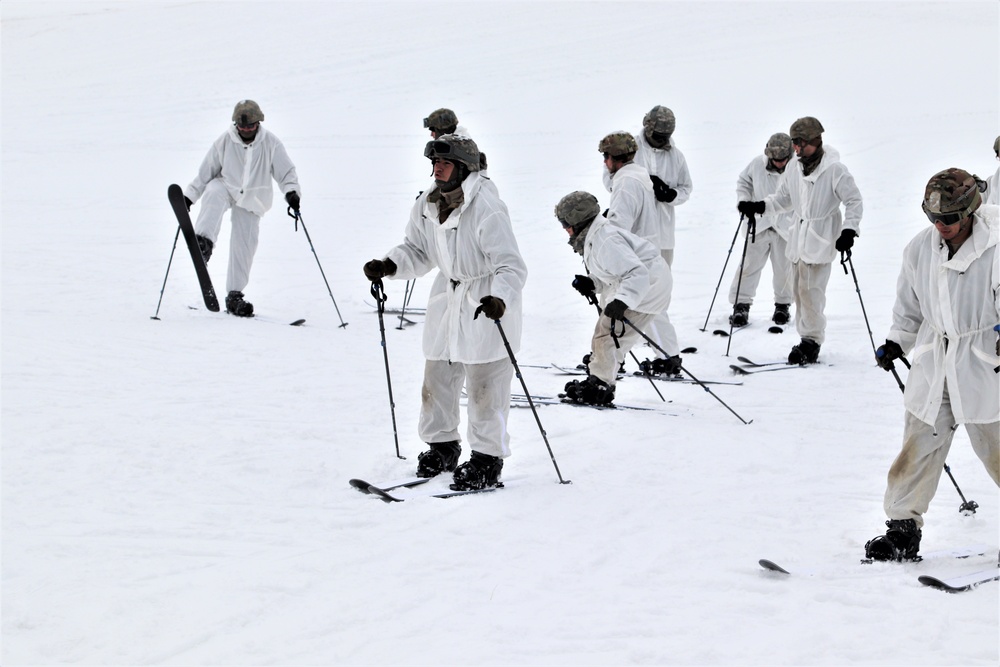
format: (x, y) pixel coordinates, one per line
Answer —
(946, 317)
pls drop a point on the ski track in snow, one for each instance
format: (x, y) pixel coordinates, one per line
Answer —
(175, 491)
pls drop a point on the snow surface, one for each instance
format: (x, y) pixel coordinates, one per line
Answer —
(175, 491)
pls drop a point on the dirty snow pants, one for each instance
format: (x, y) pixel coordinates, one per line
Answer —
(809, 283)
(488, 387)
(214, 203)
(768, 244)
(605, 357)
(914, 475)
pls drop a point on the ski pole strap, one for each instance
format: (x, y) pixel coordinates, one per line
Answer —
(845, 257)
(294, 215)
(614, 335)
(378, 293)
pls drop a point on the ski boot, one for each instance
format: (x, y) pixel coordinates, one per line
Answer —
(781, 314)
(481, 471)
(741, 315)
(670, 366)
(235, 305)
(441, 457)
(806, 352)
(591, 391)
(584, 365)
(205, 246)
(900, 542)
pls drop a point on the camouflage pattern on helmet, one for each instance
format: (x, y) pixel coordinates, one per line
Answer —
(779, 147)
(577, 208)
(247, 112)
(952, 191)
(996, 146)
(454, 148)
(660, 119)
(618, 144)
(441, 119)
(807, 129)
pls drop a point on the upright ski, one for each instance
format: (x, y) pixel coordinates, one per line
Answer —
(176, 197)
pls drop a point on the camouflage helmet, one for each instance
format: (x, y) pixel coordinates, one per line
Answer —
(618, 145)
(454, 148)
(247, 112)
(951, 195)
(996, 146)
(659, 119)
(577, 208)
(807, 129)
(441, 120)
(779, 147)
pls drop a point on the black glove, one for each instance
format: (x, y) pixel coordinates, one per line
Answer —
(886, 353)
(584, 285)
(750, 207)
(379, 268)
(662, 191)
(846, 240)
(293, 200)
(188, 203)
(492, 307)
(616, 309)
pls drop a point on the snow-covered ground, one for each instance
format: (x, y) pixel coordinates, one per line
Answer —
(175, 491)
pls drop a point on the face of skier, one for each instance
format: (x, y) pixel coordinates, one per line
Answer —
(612, 164)
(248, 132)
(803, 148)
(955, 234)
(443, 170)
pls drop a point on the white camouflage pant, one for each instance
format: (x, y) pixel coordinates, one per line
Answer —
(214, 203)
(809, 283)
(488, 387)
(605, 356)
(914, 475)
(768, 244)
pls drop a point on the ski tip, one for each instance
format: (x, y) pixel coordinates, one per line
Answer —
(771, 566)
(298, 323)
(720, 332)
(689, 350)
(360, 484)
(775, 330)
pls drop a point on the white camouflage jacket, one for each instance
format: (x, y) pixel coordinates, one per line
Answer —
(476, 255)
(943, 319)
(672, 168)
(633, 205)
(247, 170)
(815, 203)
(626, 267)
(755, 183)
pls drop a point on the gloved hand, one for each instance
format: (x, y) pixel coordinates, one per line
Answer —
(663, 192)
(886, 353)
(846, 240)
(188, 203)
(751, 207)
(492, 307)
(379, 268)
(616, 309)
(584, 285)
(293, 200)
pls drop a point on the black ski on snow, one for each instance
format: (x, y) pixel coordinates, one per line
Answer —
(381, 491)
(176, 197)
(959, 553)
(660, 378)
(296, 323)
(962, 582)
(750, 370)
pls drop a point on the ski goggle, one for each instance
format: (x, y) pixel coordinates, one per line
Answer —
(799, 141)
(947, 219)
(435, 149)
(251, 126)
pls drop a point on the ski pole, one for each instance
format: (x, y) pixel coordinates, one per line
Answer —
(699, 382)
(731, 246)
(169, 262)
(297, 216)
(751, 229)
(845, 262)
(527, 394)
(378, 293)
(407, 294)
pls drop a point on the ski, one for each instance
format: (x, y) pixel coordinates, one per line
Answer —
(408, 482)
(612, 406)
(263, 318)
(756, 365)
(395, 310)
(959, 553)
(176, 197)
(387, 497)
(962, 582)
(741, 370)
(681, 379)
